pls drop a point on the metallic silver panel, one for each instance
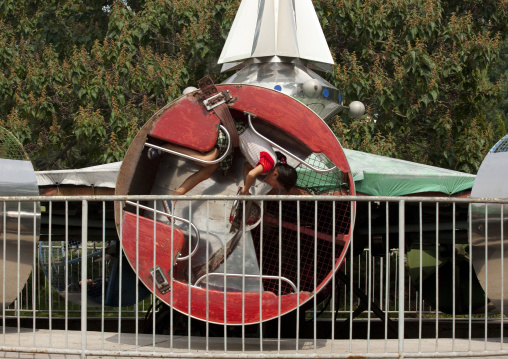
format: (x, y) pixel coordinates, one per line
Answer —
(487, 253)
(290, 77)
(17, 178)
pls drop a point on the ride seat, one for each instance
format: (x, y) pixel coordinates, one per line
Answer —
(188, 123)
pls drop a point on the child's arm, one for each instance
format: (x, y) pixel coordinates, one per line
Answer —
(249, 175)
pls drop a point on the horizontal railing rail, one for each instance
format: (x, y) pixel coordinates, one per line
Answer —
(326, 198)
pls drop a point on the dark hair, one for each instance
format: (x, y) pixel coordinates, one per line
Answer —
(287, 174)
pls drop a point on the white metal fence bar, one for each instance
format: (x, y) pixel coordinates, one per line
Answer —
(486, 285)
(401, 276)
(4, 220)
(375, 275)
(470, 243)
(502, 275)
(84, 276)
(437, 276)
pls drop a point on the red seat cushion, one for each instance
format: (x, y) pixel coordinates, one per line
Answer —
(187, 123)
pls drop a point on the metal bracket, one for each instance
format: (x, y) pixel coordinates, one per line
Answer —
(207, 87)
(160, 279)
(220, 98)
(213, 97)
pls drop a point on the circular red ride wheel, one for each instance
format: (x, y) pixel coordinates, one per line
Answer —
(268, 270)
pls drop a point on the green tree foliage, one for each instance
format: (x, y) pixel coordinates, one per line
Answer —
(500, 128)
(79, 78)
(499, 72)
(421, 67)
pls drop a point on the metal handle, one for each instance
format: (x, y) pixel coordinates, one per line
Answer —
(233, 214)
(194, 158)
(282, 149)
(253, 276)
(196, 230)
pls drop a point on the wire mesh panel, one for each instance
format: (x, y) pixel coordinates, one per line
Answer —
(307, 228)
(314, 245)
(10, 147)
(501, 145)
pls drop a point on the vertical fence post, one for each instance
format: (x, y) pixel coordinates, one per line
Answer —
(84, 274)
(401, 278)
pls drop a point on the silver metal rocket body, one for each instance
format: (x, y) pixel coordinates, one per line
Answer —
(290, 77)
(490, 224)
(277, 44)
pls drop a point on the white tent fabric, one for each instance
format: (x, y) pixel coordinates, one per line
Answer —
(96, 176)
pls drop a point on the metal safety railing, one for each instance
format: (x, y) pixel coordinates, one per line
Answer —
(410, 277)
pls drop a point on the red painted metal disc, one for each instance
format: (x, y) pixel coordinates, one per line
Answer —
(322, 227)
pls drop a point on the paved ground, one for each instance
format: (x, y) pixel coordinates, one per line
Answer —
(56, 345)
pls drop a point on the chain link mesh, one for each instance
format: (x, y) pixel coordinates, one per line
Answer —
(10, 147)
(311, 244)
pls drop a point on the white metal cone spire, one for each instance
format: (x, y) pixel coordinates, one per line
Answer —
(287, 28)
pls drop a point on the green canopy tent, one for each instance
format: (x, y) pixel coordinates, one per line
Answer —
(384, 176)
(376, 175)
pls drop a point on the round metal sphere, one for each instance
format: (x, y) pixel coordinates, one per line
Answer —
(312, 88)
(189, 90)
(356, 109)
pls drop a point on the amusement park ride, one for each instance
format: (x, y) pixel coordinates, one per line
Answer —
(277, 95)
(275, 47)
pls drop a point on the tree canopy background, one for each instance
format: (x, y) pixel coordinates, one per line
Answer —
(79, 78)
